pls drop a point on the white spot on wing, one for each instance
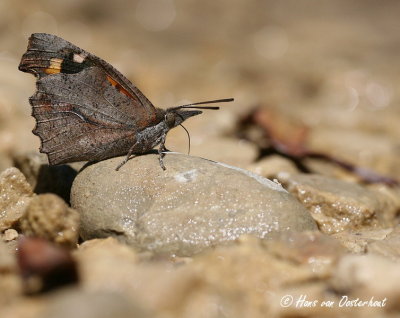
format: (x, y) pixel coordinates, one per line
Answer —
(78, 58)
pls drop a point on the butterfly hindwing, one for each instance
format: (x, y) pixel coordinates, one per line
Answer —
(75, 128)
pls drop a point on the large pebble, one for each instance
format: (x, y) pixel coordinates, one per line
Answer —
(194, 204)
(338, 205)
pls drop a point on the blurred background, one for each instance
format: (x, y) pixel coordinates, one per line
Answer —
(331, 65)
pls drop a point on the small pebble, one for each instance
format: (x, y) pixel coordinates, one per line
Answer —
(15, 194)
(10, 235)
(49, 217)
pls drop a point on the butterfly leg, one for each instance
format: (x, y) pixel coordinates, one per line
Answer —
(161, 152)
(128, 156)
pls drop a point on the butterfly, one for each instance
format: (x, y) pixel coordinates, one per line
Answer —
(86, 110)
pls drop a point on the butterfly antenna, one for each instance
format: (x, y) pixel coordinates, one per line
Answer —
(193, 105)
(187, 135)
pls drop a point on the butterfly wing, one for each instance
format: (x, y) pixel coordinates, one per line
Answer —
(85, 109)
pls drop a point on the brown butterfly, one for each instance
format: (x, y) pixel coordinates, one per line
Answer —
(86, 110)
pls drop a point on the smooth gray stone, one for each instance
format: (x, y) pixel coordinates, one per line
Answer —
(195, 203)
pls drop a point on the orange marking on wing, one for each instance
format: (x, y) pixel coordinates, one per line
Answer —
(55, 66)
(118, 86)
(52, 71)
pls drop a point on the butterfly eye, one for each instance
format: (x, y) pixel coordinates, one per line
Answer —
(170, 119)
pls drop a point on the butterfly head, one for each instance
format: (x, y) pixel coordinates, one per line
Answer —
(175, 116)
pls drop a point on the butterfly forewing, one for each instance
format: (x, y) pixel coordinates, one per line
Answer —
(48, 54)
